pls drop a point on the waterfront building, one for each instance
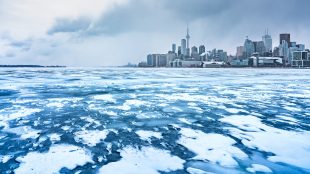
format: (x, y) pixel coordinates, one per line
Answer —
(276, 52)
(301, 59)
(157, 60)
(170, 58)
(267, 42)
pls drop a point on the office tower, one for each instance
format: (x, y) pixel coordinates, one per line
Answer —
(301, 47)
(276, 52)
(260, 48)
(149, 60)
(284, 51)
(202, 49)
(179, 50)
(248, 48)
(240, 51)
(195, 53)
(174, 47)
(183, 46)
(286, 37)
(267, 41)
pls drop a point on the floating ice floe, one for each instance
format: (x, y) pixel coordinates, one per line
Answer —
(212, 147)
(105, 97)
(19, 113)
(25, 132)
(5, 158)
(146, 135)
(289, 147)
(147, 160)
(192, 170)
(58, 157)
(54, 137)
(258, 168)
(91, 137)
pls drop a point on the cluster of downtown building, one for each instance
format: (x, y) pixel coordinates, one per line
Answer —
(251, 53)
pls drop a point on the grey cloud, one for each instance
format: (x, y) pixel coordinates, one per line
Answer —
(65, 25)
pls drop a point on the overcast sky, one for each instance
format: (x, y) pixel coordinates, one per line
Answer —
(115, 32)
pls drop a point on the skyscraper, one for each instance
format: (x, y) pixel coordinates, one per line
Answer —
(174, 47)
(267, 41)
(183, 46)
(248, 48)
(240, 51)
(202, 49)
(286, 37)
(260, 48)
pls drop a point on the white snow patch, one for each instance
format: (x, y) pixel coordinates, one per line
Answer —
(51, 162)
(259, 168)
(146, 135)
(105, 97)
(147, 160)
(25, 132)
(192, 170)
(212, 147)
(90, 137)
(54, 137)
(288, 146)
(5, 158)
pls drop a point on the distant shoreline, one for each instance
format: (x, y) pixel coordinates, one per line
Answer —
(31, 66)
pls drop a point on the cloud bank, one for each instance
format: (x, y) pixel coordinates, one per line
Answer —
(92, 33)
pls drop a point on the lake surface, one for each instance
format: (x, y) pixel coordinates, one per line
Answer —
(150, 121)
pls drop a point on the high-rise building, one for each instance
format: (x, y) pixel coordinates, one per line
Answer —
(248, 48)
(179, 51)
(267, 41)
(284, 51)
(174, 47)
(183, 46)
(301, 47)
(276, 52)
(286, 37)
(260, 48)
(240, 51)
(195, 54)
(202, 49)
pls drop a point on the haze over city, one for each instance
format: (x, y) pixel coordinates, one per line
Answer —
(108, 33)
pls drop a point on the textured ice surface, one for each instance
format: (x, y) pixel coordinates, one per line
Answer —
(258, 168)
(291, 147)
(166, 120)
(91, 137)
(146, 160)
(51, 162)
(215, 148)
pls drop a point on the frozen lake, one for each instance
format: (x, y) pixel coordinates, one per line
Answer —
(152, 121)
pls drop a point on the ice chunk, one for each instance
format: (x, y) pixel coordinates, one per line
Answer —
(91, 137)
(51, 162)
(105, 97)
(146, 135)
(259, 168)
(147, 160)
(212, 147)
(289, 147)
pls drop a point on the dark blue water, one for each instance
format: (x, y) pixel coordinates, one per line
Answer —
(132, 121)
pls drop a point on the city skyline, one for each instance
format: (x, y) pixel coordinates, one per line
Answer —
(79, 33)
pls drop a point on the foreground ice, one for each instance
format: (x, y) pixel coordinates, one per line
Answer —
(215, 148)
(51, 162)
(291, 147)
(146, 160)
